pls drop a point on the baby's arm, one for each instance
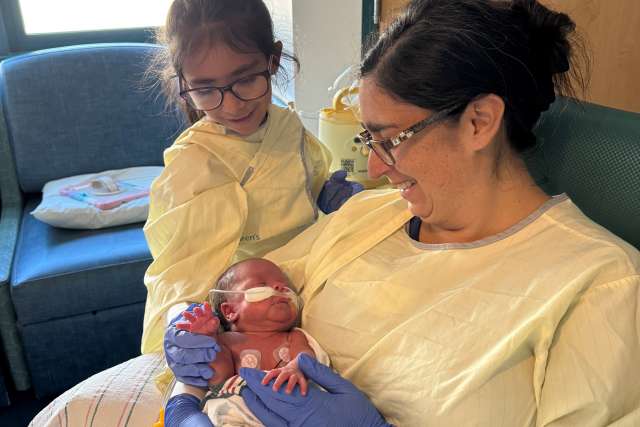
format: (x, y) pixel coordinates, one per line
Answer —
(203, 321)
(183, 407)
(298, 344)
(223, 368)
(290, 373)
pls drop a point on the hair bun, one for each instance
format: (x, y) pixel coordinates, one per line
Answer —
(549, 34)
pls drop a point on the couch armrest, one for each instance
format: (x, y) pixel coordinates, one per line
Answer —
(10, 216)
(9, 225)
(10, 202)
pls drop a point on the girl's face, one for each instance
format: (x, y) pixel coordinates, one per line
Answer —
(276, 313)
(431, 167)
(218, 65)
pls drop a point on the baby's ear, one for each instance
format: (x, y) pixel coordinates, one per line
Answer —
(229, 311)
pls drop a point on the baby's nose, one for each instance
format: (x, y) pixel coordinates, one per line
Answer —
(280, 287)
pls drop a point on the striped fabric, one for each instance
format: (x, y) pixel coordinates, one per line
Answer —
(124, 395)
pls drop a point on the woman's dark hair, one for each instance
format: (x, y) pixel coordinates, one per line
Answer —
(243, 25)
(444, 53)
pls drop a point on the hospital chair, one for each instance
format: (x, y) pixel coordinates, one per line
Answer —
(72, 301)
(592, 153)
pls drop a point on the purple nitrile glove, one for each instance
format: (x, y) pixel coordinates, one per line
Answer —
(336, 191)
(341, 405)
(183, 410)
(188, 355)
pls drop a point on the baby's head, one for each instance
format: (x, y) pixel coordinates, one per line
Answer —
(259, 309)
(226, 44)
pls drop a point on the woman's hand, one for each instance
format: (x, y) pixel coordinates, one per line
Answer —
(189, 355)
(183, 410)
(341, 405)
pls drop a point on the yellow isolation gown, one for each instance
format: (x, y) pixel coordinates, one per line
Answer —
(220, 199)
(538, 325)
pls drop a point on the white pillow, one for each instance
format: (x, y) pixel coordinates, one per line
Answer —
(63, 211)
(126, 392)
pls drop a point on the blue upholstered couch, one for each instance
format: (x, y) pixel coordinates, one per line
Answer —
(71, 301)
(592, 153)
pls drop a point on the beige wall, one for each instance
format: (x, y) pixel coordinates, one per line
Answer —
(612, 32)
(388, 8)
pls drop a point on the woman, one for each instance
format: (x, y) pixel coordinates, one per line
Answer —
(469, 296)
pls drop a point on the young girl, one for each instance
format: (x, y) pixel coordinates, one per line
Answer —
(245, 177)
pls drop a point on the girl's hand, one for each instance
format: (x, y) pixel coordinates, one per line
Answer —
(290, 374)
(336, 191)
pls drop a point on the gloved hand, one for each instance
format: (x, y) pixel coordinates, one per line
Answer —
(188, 355)
(336, 191)
(183, 410)
(341, 405)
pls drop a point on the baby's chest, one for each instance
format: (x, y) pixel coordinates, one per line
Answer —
(263, 355)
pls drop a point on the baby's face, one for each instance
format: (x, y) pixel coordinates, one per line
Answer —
(276, 313)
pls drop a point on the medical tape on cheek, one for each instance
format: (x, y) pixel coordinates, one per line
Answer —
(263, 292)
(258, 294)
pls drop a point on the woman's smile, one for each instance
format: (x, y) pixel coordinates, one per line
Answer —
(405, 187)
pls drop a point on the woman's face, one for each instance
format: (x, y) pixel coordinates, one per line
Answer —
(431, 167)
(218, 65)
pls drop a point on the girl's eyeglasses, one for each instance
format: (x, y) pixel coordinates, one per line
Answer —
(383, 147)
(247, 88)
(208, 98)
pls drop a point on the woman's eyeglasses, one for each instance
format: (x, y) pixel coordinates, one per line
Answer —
(383, 147)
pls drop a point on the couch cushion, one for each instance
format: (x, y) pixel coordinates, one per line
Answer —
(62, 352)
(60, 273)
(83, 109)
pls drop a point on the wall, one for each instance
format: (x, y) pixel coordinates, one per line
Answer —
(327, 39)
(282, 16)
(611, 29)
(4, 43)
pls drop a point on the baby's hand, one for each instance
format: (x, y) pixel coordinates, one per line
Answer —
(290, 374)
(200, 321)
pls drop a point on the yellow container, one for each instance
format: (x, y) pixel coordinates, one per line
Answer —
(337, 128)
